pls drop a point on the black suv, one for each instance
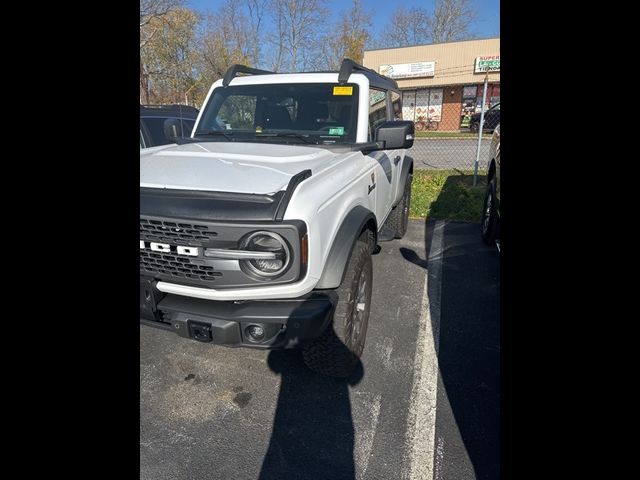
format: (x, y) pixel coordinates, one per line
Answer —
(491, 120)
(154, 117)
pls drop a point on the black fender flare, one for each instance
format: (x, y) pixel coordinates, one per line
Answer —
(340, 252)
(407, 168)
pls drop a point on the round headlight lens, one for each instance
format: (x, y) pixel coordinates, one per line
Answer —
(271, 243)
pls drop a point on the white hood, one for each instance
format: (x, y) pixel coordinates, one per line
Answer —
(229, 166)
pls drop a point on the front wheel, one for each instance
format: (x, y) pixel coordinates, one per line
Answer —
(337, 351)
(489, 214)
(474, 127)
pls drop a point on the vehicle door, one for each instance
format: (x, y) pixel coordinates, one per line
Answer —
(394, 100)
(383, 180)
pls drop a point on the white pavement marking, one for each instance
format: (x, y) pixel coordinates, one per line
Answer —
(421, 422)
(364, 439)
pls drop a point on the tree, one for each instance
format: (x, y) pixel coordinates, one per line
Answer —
(225, 41)
(350, 37)
(406, 27)
(297, 39)
(451, 21)
(256, 10)
(169, 58)
(150, 12)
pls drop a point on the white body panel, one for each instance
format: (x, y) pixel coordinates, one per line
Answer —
(339, 182)
(229, 166)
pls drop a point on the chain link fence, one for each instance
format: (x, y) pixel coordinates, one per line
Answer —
(450, 153)
(448, 134)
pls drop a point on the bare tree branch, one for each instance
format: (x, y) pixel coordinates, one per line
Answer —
(297, 40)
(452, 20)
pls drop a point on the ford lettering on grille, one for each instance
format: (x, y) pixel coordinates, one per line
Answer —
(166, 248)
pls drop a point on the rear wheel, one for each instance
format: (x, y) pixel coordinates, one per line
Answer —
(474, 127)
(337, 351)
(399, 216)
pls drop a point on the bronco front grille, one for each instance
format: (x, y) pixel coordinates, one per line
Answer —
(177, 266)
(175, 232)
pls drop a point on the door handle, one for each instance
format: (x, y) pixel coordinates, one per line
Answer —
(396, 160)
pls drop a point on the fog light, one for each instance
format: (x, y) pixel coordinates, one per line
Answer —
(255, 333)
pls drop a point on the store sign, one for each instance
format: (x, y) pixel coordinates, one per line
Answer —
(488, 63)
(409, 70)
(376, 96)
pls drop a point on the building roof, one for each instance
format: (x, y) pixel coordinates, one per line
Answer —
(454, 65)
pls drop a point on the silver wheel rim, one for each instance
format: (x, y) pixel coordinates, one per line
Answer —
(359, 313)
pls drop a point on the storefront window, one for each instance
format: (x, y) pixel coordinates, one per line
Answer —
(495, 95)
(472, 101)
(409, 105)
(469, 95)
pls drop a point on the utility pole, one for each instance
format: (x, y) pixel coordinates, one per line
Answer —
(484, 100)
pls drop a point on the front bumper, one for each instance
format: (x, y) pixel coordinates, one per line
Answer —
(287, 323)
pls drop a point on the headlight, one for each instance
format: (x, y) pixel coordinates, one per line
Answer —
(267, 242)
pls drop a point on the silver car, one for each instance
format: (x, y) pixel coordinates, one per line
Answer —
(491, 209)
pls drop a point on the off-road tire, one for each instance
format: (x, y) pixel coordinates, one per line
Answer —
(337, 351)
(399, 217)
(489, 222)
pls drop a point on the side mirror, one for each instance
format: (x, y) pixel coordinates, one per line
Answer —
(397, 134)
(172, 129)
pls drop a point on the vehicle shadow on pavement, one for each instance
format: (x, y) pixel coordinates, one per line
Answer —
(464, 308)
(313, 433)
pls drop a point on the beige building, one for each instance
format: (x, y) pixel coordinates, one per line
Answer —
(442, 84)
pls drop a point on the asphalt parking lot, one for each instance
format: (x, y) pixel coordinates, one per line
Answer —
(424, 403)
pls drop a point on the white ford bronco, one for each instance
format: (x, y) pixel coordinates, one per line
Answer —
(258, 230)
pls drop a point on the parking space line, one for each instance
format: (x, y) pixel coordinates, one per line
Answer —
(421, 421)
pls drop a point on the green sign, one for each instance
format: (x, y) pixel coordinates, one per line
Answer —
(488, 63)
(336, 131)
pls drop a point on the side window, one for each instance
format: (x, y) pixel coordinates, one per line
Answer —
(187, 127)
(396, 103)
(377, 111)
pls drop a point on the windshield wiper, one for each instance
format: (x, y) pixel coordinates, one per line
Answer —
(304, 138)
(213, 133)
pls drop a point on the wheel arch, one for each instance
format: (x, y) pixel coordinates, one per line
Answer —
(358, 220)
(407, 169)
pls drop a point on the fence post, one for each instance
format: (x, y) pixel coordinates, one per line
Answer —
(484, 99)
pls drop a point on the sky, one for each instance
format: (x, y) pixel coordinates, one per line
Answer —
(487, 25)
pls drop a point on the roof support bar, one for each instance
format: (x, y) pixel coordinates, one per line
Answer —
(234, 70)
(348, 66)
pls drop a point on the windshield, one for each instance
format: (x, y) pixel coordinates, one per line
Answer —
(155, 127)
(282, 113)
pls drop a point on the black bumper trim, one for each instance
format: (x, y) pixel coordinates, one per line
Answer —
(288, 323)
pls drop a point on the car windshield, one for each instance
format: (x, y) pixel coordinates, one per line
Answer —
(155, 126)
(282, 113)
